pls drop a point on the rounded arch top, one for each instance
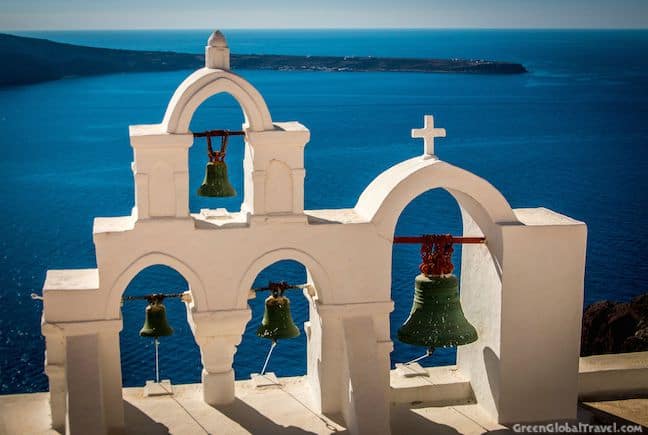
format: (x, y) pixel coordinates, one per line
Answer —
(383, 201)
(316, 272)
(206, 82)
(117, 289)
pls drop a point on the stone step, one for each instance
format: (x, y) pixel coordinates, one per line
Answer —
(439, 386)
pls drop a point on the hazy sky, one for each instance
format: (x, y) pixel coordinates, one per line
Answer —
(188, 14)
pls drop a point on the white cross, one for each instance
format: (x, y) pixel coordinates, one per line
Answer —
(428, 133)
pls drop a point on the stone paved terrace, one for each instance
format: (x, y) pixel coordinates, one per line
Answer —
(275, 410)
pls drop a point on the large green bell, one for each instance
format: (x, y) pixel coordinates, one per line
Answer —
(436, 319)
(155, 323)
(216, 182)
(277, 321)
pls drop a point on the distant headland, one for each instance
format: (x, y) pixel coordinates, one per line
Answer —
(33, 60)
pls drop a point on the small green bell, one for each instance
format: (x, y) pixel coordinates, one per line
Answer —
(436, 319)
(216, 182)
(155, 323)
(277, 321)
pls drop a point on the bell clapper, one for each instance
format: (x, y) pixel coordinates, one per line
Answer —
(157, 365)
(265, 364)
(428, 353)
(413, 368)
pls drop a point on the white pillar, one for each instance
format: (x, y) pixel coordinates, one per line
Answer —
(160, 168)
(527, 311)
(84, 369)
(366, 406)
(111, 378)
(348, 361)
(55, 370)
(84, 399)
(542, 306)
(480, 290)
(323, 365)
(274, 169)
(217, 334)
(217, 354)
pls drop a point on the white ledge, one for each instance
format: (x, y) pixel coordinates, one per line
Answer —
(119, 224)
(334, 216)
(542, 216)
(71, 279)
(621, 375)
(203, 221)
(155, 136)
(81, 328)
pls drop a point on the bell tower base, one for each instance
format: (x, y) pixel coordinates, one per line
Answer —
(162, 388)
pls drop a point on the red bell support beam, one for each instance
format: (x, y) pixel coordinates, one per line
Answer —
(278, 287)
(212, 133)
(217, 156)
(158, 296)
(436, 251)
(420, 239)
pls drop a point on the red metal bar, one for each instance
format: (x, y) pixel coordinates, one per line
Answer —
(212, 133)
(421, 239)
(153, 296)
(436, 251)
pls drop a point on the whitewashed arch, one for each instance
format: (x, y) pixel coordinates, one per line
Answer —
(196, 286)
(315, 271)
(206, 82)
(383, 201)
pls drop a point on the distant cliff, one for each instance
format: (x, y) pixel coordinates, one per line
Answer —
(32, 60)
(615, 327)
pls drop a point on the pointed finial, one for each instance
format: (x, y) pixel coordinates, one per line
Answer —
(217, 39)
(217, 54)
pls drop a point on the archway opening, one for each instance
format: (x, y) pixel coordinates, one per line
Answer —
(179, 353)
(218, 112)
(433, 212)
(289, 357)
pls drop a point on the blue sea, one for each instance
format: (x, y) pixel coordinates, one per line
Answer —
(571, 135)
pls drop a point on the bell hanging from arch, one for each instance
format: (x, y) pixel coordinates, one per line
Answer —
(216, 182)
(436, 319)
(277, 321)
(155, 322)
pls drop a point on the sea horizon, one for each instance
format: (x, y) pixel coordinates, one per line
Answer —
(223, 29)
